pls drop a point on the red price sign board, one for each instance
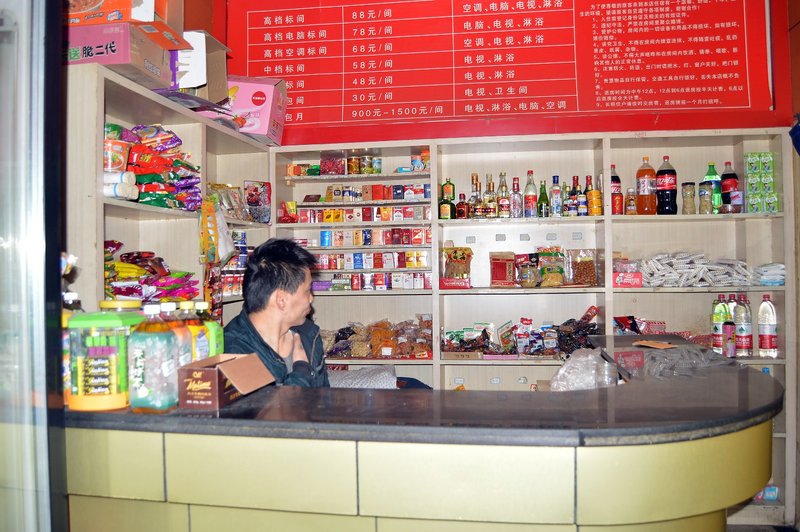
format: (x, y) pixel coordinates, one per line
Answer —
(403, 69)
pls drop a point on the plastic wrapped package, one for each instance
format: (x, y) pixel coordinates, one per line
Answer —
(579, 372)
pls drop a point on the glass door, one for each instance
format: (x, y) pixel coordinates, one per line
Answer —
(29, 271)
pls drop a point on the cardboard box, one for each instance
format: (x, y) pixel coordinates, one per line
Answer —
(126, 48)
(90, 12)
(258, 105)
(215, 382)
(203, 69)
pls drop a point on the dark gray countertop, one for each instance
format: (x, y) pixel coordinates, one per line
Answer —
(716, 400)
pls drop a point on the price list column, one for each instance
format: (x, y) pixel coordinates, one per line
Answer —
(303, 46)
(514, 58)
(397, 61)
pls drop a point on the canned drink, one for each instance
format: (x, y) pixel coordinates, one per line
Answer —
(353, 165)
(325, 238)
(366, 164)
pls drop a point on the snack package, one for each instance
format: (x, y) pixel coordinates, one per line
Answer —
(581, 269)
(625, 325)
(457, 262)
(551, 266)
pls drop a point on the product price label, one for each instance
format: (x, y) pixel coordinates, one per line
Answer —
(744, 337)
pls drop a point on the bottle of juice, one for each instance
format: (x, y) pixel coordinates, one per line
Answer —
(646, 188)
(153, 364)
(216, 338)
(170, 316)
(196, 327)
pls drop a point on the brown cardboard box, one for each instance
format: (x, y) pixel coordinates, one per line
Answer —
(215, 382)
(209, 60)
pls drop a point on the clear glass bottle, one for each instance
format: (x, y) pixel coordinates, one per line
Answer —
(688, 197)
(503, 198)
(489, 199)
(530, 197)
(556, 200)
(517, 201)
(476, 202)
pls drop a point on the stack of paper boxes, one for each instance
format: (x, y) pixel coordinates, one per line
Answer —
(760, 178)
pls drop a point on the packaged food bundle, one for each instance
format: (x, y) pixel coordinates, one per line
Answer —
(626, 325)
(581, 267)
(456, 267)
(501, 269)
(551, 266)
(527, 266)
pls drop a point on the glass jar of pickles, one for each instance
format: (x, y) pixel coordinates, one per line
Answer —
(689, 205)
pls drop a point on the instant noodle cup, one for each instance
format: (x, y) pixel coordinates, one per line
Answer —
(115, 155)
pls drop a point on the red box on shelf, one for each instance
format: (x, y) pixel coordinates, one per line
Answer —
(448, 283)
(627, 279)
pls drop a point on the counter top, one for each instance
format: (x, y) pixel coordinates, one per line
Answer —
(716, 400)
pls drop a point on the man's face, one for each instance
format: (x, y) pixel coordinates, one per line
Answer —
(299, 305)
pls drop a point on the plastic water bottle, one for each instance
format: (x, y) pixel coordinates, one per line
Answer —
(743, 320)
(719, 316)
(767, 329)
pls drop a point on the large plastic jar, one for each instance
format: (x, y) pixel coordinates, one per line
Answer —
(98, 343)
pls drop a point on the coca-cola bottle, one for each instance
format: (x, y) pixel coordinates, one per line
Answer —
(666, 188)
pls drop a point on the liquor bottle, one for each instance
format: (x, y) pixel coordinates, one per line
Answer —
(449, 190)
(462, 207)
(529, 197)
(594, 197)
(767, 329)
(646, 188)
(517, 201)
(476, 202)
(447, 210)
(743, 319)
(543, 203)
(503, 198)
(556, 201)
(716, 194)
(617, 198)
(571, 201)
(489, 199)
(666, 188)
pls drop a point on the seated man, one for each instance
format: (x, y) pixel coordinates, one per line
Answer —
(273, 322)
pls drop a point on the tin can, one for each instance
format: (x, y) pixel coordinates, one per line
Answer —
(377, 165)
(353, 165)
(729, 339)
(366, 164)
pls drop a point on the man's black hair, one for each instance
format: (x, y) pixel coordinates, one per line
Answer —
(276, 264)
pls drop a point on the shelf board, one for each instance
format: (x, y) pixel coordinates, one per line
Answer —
(570, 220)
(381, 178)
(379, 361)
(235, 222)
(701, 289)
(621, 218)
(758, 361)
(232, 299)
(506, 291)
(131, 210)
(757, 513)
(367, 203)
(328, 225)
(366, 249)
(368, 293)
(376, 270)
(518, 362)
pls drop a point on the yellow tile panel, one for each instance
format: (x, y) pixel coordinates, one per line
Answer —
(115, 463)
(417, 525)
(216, 519)
(713, 522)
(645, 483)
(507, 484)
(262, 473)
(98, 514)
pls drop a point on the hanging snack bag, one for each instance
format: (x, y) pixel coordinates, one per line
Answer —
(551, 266)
